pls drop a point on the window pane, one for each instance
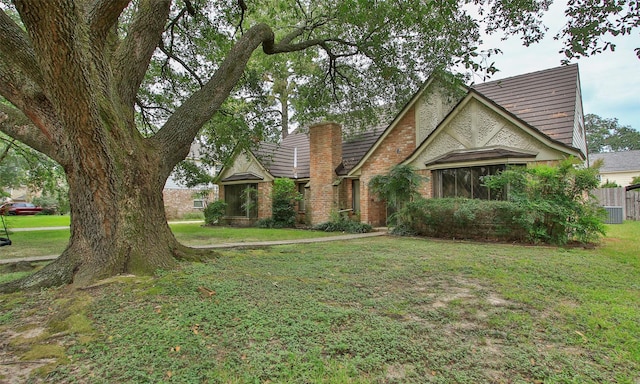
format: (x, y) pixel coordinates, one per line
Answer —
(463, 182)
(233, 200)
(355, 198)
(479, 190)
(448, 182)
(301, 203)
(466, 182)
(241, 200)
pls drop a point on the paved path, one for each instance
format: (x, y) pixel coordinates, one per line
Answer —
(67, 227)
(248, 244)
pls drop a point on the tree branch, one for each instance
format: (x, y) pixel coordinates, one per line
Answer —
(134, 54)
(18, 126)
(176, 135)
(16, 49)
(103, 15)
(181, 62)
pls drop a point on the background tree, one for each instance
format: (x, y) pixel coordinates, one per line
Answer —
(22, 167)
(115, 91)
(607, 135)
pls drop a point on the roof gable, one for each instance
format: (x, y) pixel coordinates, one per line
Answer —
(477, 122)
(546, 100)
(245, 167)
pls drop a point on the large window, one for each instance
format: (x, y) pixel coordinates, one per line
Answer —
(466, 182)
(242, 200)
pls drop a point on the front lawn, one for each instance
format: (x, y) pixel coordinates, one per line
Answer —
(374, 310)
(52, 242)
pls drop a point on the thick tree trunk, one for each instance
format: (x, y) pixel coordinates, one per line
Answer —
(78, 94)
(118, 226)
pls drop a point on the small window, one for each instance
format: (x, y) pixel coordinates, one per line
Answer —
(198, 204)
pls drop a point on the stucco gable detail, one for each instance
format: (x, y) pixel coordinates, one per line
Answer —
(474, 126)
(246, 163)
(434, 105)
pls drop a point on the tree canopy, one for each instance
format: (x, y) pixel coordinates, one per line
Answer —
(608, 135)
(115, 91)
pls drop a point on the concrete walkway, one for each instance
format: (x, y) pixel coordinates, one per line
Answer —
(67, 227)
(248, 244)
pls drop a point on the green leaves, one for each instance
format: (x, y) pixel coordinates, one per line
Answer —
(607, 134)
(557, 198)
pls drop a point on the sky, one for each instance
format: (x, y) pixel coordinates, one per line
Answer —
(610, 81)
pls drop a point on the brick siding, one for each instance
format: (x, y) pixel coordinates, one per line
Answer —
(325, 144)
(396, 147)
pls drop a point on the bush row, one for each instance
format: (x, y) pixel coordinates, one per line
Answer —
(463, 219)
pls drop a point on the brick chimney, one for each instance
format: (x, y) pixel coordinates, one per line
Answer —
(325, 147)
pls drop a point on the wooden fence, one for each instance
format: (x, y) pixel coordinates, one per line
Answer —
(618, 197)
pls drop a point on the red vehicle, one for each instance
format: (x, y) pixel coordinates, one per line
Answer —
(19, 209)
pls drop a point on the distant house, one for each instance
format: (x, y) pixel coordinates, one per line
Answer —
(618, 167)
(453, 139)
(180, 200)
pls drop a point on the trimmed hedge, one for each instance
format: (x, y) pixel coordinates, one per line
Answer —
(464, 219)
(340, 223)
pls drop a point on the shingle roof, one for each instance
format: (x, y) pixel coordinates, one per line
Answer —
(618, 161)
(356, 146)
(278, 159)
(544, 99)
(242, 176)
(481, 154)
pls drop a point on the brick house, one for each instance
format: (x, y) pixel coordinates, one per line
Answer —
(179, 200)
(451, 136)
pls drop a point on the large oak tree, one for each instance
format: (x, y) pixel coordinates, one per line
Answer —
(78, 74)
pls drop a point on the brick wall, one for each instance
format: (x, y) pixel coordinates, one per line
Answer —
(395, 148)
(426, 189)
(325, 145)
(179, 202)
(264, 200)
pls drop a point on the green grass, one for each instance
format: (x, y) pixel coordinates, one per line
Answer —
(392, 310)
(196, 234)
(50, 242)
(37, 221)
(35, 243)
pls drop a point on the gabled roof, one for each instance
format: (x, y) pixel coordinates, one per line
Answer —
(626, 161)
(355, 147)
(543, 102)
(474, 95)
(544, 99)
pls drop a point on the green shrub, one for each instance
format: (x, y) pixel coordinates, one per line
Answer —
(462, 219)
(609, 184)
(397, 188)
(283, 202)
(214, 212)
(341, 223)
(53, 204)
(193, 216)
(557, 199)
